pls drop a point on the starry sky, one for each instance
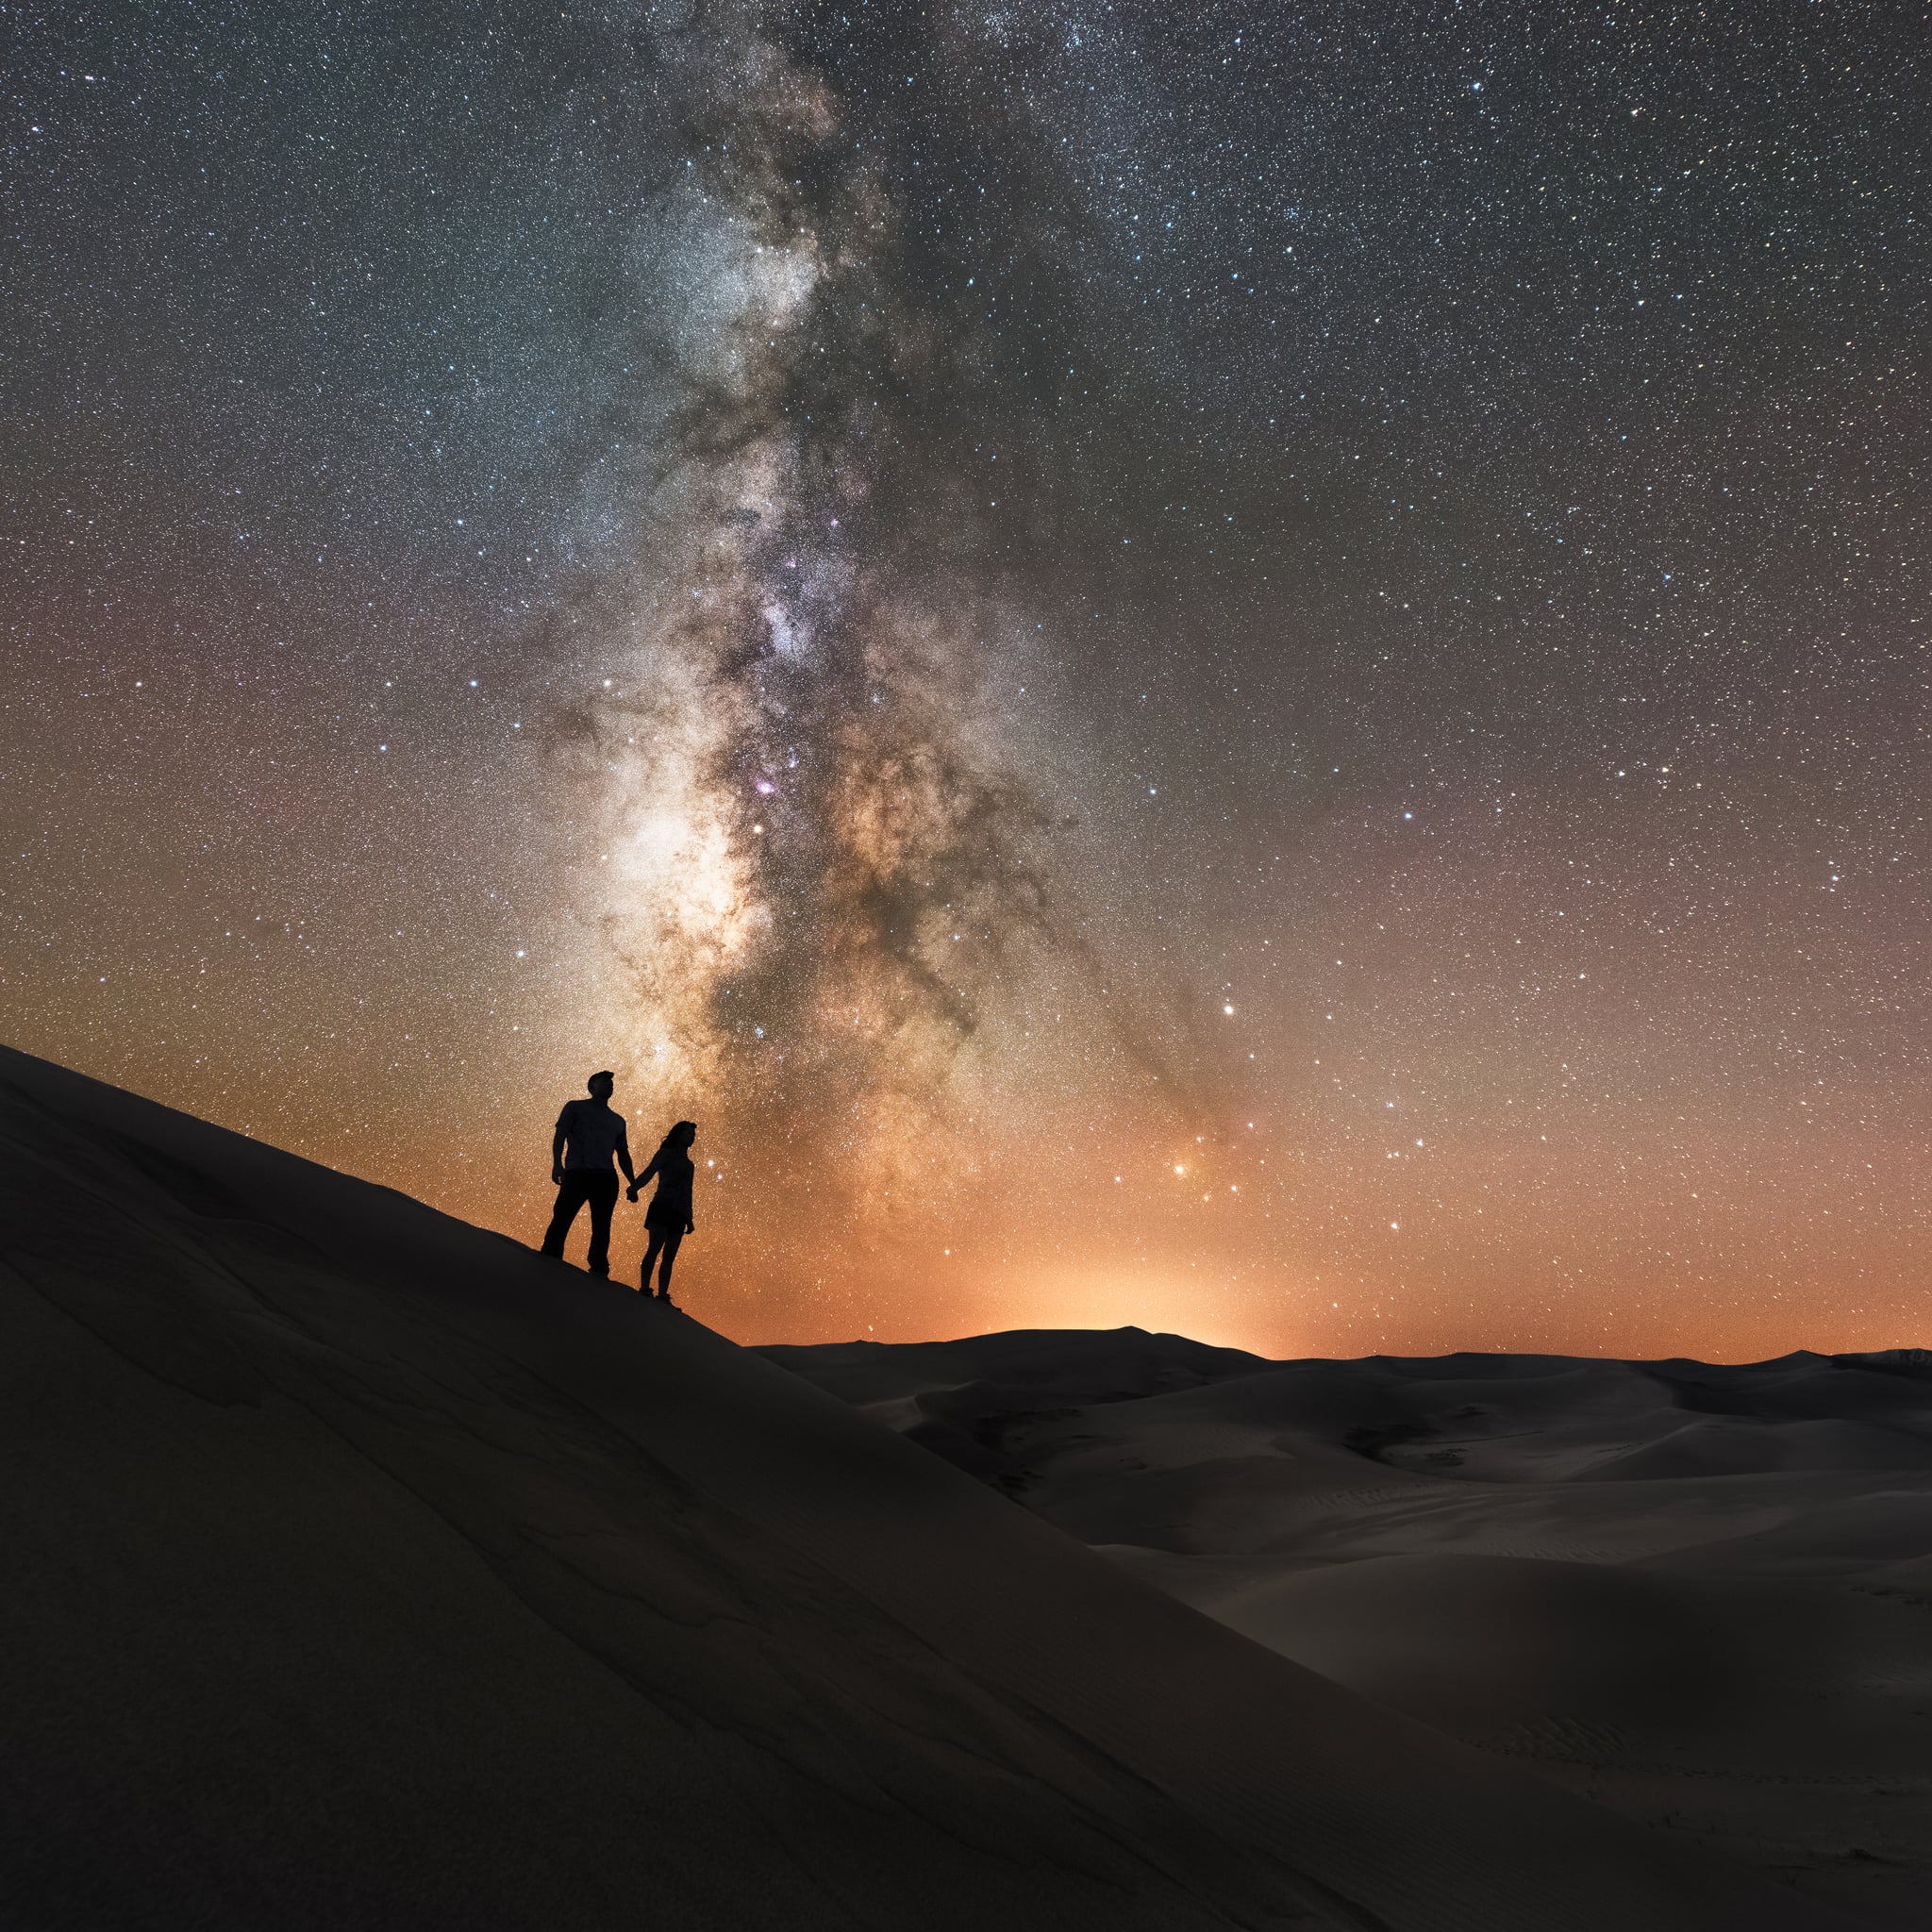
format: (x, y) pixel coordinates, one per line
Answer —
(1255, 669)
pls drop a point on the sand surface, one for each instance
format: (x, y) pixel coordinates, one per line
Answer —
(1700, 1596)
(366, 1569)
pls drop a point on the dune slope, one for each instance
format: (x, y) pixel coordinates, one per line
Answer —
(367, 1569)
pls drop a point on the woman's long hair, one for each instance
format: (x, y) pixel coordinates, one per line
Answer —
(680, 1136)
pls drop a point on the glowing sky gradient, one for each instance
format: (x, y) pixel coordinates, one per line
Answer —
(1257, 670)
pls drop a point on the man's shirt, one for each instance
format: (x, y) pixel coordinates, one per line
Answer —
(592, 1133)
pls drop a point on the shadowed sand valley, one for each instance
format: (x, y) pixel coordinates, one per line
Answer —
(1700, 1596)
(366, 1569)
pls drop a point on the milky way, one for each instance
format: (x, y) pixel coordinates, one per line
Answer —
(1254, 670)
(824, 861)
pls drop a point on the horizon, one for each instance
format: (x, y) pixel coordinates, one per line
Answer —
(570, 1278)
(1259, 675)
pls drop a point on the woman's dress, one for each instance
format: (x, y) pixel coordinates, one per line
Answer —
(670, 1207)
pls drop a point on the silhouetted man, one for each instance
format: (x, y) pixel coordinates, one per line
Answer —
(591, 1131)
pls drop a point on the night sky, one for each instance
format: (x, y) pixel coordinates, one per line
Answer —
(1255, 669)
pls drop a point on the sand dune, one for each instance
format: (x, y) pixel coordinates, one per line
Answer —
(366, 1569)
(1699, 1596)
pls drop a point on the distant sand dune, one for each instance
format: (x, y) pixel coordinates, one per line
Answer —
(1699, 1596)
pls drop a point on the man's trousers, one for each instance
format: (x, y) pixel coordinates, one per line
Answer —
(581, 1185)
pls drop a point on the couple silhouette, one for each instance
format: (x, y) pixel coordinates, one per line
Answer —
(590, 1135)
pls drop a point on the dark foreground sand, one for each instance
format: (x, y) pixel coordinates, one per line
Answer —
(364, 1569)
(1700, 1596)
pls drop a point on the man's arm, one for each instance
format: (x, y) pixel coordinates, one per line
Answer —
(623, 1153)
(643, 1177)
(556, 1140)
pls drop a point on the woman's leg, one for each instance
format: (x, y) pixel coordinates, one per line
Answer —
(656, 1235)
(673, 1239)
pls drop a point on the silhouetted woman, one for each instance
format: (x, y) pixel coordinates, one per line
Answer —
(667, 1220)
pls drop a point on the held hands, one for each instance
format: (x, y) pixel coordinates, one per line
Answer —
(631, 1191)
